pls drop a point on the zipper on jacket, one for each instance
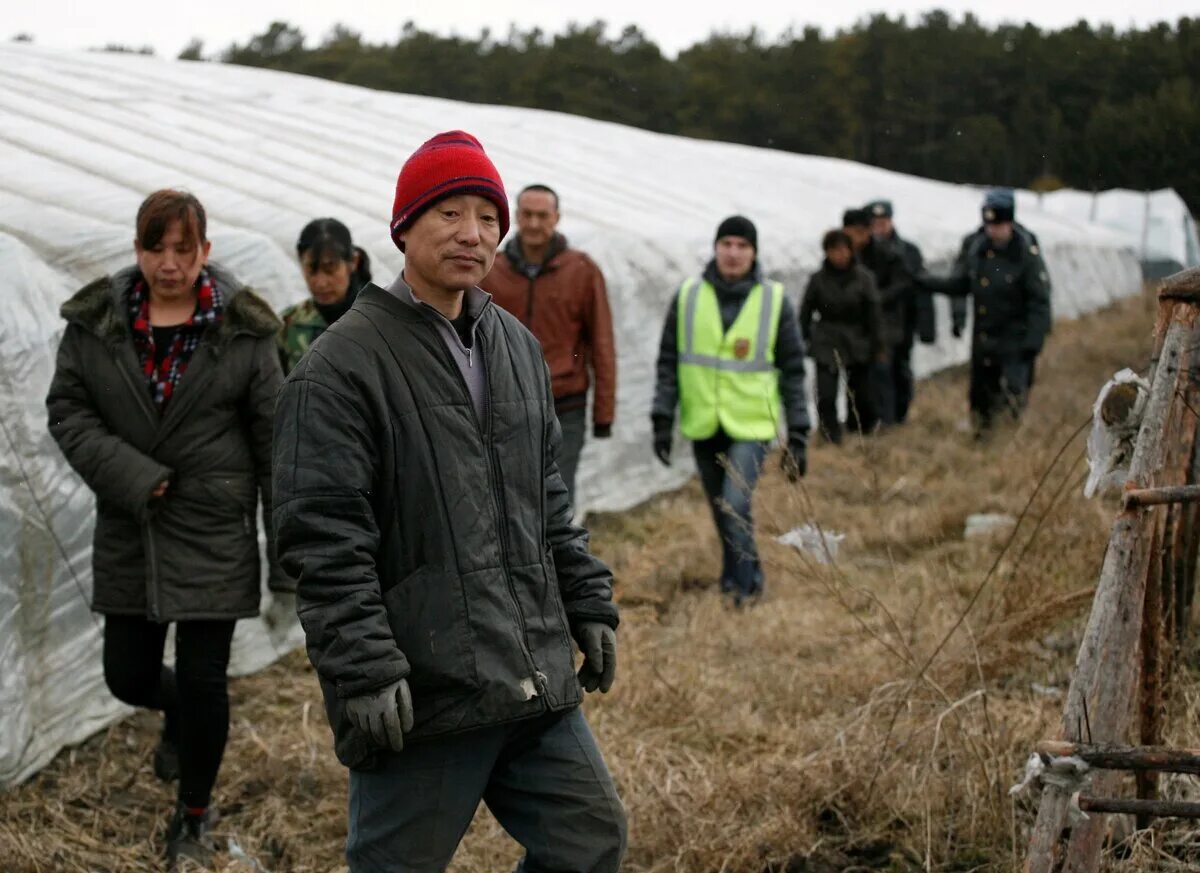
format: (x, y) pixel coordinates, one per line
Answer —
(152, 575)
(529, 303)
(485, 434)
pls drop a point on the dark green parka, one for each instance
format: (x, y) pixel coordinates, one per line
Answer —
(192, 554)
(427, 544)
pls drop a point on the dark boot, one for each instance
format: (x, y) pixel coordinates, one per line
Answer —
(188, 838)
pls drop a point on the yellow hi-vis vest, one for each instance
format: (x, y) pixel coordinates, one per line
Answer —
(728, 379)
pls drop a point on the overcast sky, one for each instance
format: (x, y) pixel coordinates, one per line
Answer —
(168, 26)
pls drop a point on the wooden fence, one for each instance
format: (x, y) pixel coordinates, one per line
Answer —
(1113, 716)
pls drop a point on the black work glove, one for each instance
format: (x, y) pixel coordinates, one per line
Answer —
(957, 330)
(795, 459)
(598, 642)
(662, 440)
(602, 431)
(384, 715)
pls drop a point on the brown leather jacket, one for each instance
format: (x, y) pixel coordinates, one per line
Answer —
(565, 305)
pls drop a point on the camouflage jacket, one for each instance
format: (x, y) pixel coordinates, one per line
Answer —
(302, 324)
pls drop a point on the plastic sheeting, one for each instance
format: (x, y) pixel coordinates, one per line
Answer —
(84, 137)
(1159, 222)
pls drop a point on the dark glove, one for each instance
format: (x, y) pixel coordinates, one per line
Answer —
(602, 431)
(598, 642)
(383, 715)
(795, 459)
(662, 440)
(957, 330)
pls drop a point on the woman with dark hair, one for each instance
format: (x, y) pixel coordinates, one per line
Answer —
(162, 402)
(335, 270)
(841, 322)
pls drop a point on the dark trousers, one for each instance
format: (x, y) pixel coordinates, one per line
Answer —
(729, 470)
(543, 779)
(860, 400)
(574, 429)
(894, 385)
(193, 697)
(998, 384)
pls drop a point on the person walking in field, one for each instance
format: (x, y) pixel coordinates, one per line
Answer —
(1003, 272)
(840, 322)
(731, 362)
(162, 401)
(559, 294)
(907, 314)
(441, 580)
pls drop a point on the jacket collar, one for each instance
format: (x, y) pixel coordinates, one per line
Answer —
(740, 288)
(516, 257)
(100, 308)
(476, 301)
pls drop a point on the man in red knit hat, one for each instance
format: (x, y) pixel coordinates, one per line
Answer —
(440, 578)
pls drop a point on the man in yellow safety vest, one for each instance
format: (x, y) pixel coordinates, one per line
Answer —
(732, 361)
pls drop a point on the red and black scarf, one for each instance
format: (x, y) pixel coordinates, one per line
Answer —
(164, 378)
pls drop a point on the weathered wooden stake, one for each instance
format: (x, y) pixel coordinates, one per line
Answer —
(1141, 808)
(1107, 667)
(1135, 497)
(1150, 727)
(1158, 758)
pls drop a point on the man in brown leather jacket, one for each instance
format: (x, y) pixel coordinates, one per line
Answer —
(558, 293)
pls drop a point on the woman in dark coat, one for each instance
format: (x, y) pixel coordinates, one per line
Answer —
(162, 401)
(841, 322)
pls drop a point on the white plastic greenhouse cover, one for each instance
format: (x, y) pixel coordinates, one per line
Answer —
(1158, 221)
(84, 137)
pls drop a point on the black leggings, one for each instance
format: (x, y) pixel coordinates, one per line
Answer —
(194, 697)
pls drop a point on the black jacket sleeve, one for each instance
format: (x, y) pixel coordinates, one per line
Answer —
(259, 414)
(1037, 304)
(957, 284)
(924, 313)
(326, 530)
(808, 306)
(896, 283)
(872, 315)
(789, 359)
(115, 470)
(585, 583)
(666, 383)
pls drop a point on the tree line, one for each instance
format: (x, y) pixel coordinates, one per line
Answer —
(943, 97)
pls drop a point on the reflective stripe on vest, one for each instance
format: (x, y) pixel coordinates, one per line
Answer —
(718, 387)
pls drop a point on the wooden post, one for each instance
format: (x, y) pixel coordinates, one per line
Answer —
(1106, 672)
(1157, 758)
(1159, 496)
(1141, 808)
(1152, 669)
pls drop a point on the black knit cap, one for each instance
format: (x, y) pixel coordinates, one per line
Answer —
(856, 218)
(738, 225)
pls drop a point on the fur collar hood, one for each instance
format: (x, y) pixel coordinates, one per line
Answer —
(99, 307)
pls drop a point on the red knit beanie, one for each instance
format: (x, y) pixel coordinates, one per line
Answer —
(451, 163)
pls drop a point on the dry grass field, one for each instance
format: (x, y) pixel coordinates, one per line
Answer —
(869, 714)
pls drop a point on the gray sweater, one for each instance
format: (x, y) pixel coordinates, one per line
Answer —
(473, 367)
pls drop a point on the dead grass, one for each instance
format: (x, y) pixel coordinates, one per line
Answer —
(852, 721)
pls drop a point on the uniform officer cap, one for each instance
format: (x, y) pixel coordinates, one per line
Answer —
(880, 208)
